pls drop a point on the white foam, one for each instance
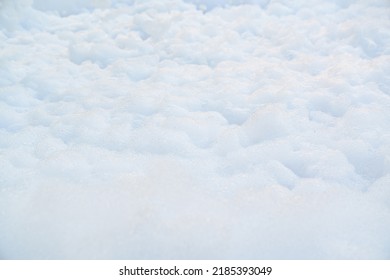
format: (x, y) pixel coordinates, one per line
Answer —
(194, 129)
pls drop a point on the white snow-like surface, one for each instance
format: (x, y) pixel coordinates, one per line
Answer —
(194, 129)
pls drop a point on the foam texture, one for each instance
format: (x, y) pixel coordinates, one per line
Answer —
(194, 129)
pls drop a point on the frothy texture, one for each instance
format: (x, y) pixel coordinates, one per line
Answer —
(194, 129)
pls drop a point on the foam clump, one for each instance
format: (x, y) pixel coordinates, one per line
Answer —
(69, 7)
(242, 129)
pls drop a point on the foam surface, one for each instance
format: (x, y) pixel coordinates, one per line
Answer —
(194, 129)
